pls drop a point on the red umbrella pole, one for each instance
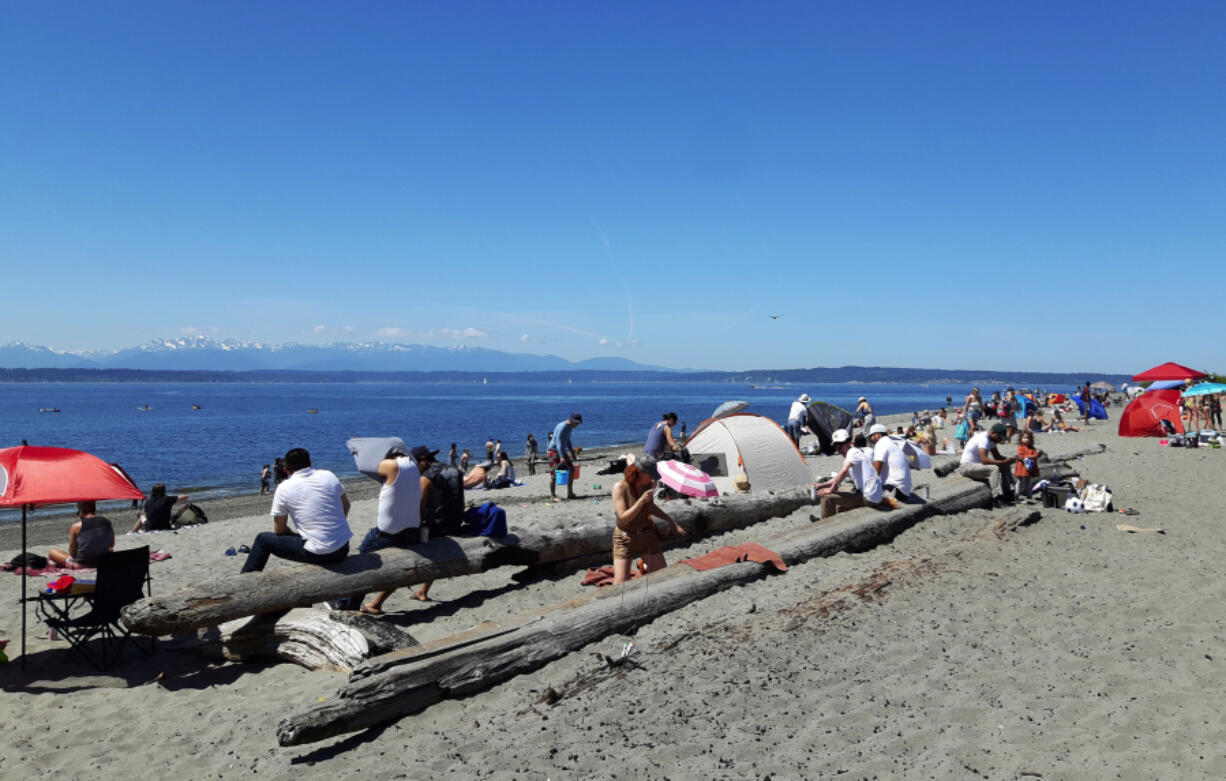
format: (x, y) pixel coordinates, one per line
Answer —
(25, 573)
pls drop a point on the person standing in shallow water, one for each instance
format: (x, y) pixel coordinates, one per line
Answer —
(451, 455)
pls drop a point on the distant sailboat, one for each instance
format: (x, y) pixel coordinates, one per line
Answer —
(144, 408)
(195, 406)
(485, 381)
(48, 409)
(313, 411)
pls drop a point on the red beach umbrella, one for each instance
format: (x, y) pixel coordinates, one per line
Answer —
(686, 479)
(56, 475)
(1169, 371)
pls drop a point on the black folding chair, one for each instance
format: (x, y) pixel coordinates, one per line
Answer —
(123, 578)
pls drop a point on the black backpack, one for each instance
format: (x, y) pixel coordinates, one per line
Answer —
(445, 504)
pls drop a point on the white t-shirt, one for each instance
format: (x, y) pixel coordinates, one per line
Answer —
(897, 470)
(797, 412)
(938, 421)
(400, 502)
(976, 446)
(312, 500)
(863, 474)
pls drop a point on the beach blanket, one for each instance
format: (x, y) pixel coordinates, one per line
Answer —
(603, 576)
(732, 554)
(51, 569)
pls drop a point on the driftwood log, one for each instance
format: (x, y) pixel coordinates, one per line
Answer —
(313, 638)
(394, 685)
(1049, 466)
(582, 529)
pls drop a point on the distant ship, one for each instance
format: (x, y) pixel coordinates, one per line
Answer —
(313, 411)
(767, 387)
(195, 406)
(145, 408)
(48, 409)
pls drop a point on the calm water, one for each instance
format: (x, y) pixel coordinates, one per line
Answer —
(220, 448)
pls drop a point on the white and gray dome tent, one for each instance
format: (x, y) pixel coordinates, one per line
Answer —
(725, 447)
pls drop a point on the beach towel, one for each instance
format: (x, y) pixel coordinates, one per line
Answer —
(488, 520)
(732, 554)
(51, 569)
(603, 576)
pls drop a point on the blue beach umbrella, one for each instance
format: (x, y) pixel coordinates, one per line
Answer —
(1205, 388)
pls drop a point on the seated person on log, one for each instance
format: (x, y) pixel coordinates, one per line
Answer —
(157, 509)
(88, 538)
(857, 462)
(636, 534)
(983, 462)
(316, 502)
(402, 504)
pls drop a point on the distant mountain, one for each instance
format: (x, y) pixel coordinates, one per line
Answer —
(199, 353)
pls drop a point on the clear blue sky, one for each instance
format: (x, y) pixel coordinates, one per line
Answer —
(1015, 185)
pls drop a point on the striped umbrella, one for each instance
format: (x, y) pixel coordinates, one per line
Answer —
(686, 479)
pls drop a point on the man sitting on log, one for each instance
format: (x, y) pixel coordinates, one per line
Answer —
(317, 503)
(858, 462)
(402, 503)
(981, 461)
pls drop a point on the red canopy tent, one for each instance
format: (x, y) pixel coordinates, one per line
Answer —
(32, 475)
(1142, 416)
(1168, 371)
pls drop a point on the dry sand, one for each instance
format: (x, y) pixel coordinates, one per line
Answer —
(1066, 649)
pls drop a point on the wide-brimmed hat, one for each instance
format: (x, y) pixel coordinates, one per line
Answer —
(804, 398)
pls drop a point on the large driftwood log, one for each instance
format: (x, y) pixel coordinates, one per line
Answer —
(394, 685)
(313, 638)
(945, 466)
(582, 529)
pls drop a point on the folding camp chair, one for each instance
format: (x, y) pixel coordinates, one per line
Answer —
(123, 578)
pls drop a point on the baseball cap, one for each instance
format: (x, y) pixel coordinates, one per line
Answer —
(647, 464)
(999, 428)
(877, 428)
(575, 416)
(423, 453)
(840, 436)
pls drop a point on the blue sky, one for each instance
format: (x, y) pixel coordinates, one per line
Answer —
(1029, 186)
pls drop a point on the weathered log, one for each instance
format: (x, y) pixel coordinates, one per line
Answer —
(581, 530)
(394, 685)
(313, 638)
(946, 466)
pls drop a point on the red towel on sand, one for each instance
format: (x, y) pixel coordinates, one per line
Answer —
(603, 576)
(731, 554)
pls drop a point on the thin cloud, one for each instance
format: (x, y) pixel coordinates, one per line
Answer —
(389, 331)
(464, 333)
(319, 329)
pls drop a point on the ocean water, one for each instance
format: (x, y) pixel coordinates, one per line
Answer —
(220, 448)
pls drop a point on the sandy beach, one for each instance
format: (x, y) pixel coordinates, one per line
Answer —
(1065, 649)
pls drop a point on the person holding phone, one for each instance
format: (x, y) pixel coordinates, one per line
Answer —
(635, 534)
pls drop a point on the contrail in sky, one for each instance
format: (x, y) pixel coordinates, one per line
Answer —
(608, 248)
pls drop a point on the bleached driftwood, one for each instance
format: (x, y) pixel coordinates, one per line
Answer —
(586, 529)
(394, 685)
(311, 637)
(1047, 465)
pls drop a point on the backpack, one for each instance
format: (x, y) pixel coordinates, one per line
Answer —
(445, 504)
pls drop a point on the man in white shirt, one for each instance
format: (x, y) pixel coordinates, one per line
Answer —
(316, 502)
(890, 463)
(858, 462)
(981, 461)
(796, 417)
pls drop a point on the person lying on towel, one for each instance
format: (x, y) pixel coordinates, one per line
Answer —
(636, 534)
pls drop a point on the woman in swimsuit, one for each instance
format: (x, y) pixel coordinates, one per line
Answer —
(636, 534)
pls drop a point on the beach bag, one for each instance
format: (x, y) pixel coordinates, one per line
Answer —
(488, 520)
(963, 431)
(445, 504)
(31, 560)
(1097, 499)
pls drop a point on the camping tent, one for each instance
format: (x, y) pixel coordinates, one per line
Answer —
(1142, 415)
(724, 447)
(1169, 371)
(823, 418)
(1097, 410)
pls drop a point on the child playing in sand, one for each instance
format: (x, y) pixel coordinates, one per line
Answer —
(1026, 468)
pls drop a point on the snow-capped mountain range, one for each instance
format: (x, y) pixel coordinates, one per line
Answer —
(199, 353)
